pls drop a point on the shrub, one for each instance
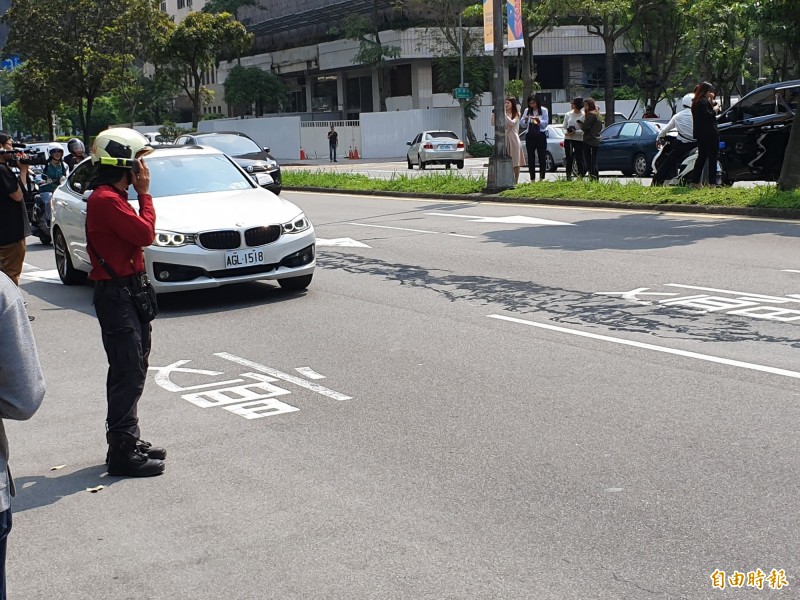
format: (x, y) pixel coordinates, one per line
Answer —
(480, 149)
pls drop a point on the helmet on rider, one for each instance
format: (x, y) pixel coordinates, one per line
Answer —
(687, 100)
(119, 143)
(53, 148)
(75, 145)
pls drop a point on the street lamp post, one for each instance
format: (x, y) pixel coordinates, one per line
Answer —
(501, 172)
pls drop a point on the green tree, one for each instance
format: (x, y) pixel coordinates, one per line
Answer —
(252, 85)
(90, 42)
(34, 87)
(778, 24)
(194, 46)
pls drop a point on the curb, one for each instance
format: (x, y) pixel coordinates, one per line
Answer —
(739, 211)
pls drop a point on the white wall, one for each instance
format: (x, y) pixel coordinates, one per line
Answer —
(385, 134)
(281, 134)
(314, 138)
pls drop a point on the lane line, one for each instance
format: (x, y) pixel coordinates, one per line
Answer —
(314, 387)
(707, 289)
(664, 349)
(412, 230)
(790, 271)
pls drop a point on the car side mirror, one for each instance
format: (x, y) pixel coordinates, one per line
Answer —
(86, 195)
(78, 186)
(408, 143)
(266, 149)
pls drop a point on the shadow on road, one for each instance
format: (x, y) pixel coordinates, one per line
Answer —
(637, 232)
(36, 491)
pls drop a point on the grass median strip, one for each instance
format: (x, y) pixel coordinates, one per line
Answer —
(603, 191)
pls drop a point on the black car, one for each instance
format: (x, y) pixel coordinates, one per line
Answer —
(754, 132)
(629, 146)
(243, 149)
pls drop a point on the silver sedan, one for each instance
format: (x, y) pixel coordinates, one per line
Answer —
(436, 148)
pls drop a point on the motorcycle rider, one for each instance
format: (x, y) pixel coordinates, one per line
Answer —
(683, 123)
(52, 175)
(77, 152)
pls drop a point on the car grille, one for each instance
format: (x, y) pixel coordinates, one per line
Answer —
(258, 236)
(220, 240)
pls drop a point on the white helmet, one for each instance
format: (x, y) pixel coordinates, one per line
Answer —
(118, 146)
(53, 148)
(687, 100)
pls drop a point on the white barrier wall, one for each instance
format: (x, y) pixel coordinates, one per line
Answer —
(314, 138)
(385, 134)
(280, 134)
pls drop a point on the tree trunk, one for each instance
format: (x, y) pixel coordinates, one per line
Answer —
(87, 134)
(790, 172)
(608, 41)
(196, 102)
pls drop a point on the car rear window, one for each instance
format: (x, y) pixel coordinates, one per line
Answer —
(442, 134)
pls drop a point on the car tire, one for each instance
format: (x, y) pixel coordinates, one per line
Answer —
(422, 165)
(447, 165)
(460, 164)
(410, 165)
(641, 167)
(68, 274)
(295, 284)
(549, 163)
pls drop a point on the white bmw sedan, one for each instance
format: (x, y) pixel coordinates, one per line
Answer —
(214, 225)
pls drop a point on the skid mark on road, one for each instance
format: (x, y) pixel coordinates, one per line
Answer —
(568, 306)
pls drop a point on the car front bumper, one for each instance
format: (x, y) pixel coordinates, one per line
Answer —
(191, 267)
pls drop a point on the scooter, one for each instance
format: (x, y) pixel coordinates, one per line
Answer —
(685, 163)
(41, 213)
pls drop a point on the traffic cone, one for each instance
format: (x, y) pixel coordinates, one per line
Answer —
(350, 153)
(355, 154)
(303, 155)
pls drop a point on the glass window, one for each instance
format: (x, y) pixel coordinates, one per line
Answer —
(82, 176)
(183, 175)
(232, 145)
(611, 131)
(442, 134)
(630, 130)
(757, 105)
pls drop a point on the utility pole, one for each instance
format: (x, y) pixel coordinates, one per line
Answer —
(461, 103)
(501, 172)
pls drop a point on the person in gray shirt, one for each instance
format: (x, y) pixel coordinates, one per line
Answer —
(21, 392)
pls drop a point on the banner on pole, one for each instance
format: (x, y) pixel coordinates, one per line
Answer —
(514, 16)
(488, 25)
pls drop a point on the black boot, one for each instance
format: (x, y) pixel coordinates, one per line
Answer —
(125, 458)
(145, 448)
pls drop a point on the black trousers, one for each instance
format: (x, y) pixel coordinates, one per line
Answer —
(669, 166)
(707, 152)
(573, 151)
(127, 343)
(536, 143)
(590, 160)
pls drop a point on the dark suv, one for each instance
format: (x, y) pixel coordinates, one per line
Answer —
(241, 148)
(754, 132)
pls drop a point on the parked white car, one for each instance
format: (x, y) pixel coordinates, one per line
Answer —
(214, 225)
(436, 148)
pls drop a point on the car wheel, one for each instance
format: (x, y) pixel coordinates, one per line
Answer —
(549, 163)
(460, 164)
(640, 165)
(295, 284)
(422, 165)
(410, 165)
(69, 274)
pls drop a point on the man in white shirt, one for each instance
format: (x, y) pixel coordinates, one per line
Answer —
(683, 123)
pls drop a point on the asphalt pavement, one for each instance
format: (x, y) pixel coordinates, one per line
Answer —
(472, 400)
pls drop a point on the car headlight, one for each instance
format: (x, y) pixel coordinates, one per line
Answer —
(296, 225)
(271, 164)
(172, 239)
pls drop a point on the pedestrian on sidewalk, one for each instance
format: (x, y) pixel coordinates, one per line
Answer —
(704, 119)
(573, 138)
(22, 389)
(333, 142)
(14, 223)
(115, 238)
(535, 120)
(591, 125)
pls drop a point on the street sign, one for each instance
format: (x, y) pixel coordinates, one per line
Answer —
(10, 63)
(462, 93)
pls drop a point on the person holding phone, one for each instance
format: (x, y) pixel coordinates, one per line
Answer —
(116, 235)
(591, 125)
(573, 138)
(535, 120)
(704, 119)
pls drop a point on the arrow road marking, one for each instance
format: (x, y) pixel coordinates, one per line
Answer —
(516, 219)
(342, 243)
(790, 271)
(412, 230)
(664, 349)
(41, 275)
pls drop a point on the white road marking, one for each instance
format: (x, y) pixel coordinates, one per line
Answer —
(516, 219)
(309, 372)
(314, 387)
(790, 271)
(631, 295)
(41, 275)
(341, 243)
(748, 294)
(412, 230)
(664, 349)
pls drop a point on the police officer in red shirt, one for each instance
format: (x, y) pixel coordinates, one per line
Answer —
(116, 235)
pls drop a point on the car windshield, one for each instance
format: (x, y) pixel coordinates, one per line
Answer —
(232, 145)
(179, 175)
(442, 134)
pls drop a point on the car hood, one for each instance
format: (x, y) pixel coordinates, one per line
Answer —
(192, 213)
(252, 157)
